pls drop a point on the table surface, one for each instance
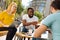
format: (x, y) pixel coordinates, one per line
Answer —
(3, 33)
(23, 35)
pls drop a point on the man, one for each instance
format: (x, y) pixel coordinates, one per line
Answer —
(29, 20)
(52, 21)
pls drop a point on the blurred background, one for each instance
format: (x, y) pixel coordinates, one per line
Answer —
(41, 7)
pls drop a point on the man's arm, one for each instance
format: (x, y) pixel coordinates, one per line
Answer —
(34, 23)
(25, 23)
(39, 31)
(29, 23)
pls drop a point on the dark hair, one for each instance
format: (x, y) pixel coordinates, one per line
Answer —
(31, 9)
(57, 0)
(56, 4)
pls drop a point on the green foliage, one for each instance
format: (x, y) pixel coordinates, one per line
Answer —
(17, 15)
(19, 8)
(16, 1)
(39, 15)
(25, 11)
(1, 9)
(8, 2)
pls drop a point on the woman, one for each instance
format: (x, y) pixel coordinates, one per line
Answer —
(6, 19)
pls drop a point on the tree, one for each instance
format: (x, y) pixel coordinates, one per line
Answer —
(20, 8)
(39, 15)
(8, 2)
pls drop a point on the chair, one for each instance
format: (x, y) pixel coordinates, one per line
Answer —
(2, 33)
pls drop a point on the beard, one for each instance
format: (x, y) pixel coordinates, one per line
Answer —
(30, 16)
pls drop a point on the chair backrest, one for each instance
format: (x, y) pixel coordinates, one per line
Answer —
(2, 33)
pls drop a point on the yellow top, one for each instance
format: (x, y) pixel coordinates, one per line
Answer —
(6, 18)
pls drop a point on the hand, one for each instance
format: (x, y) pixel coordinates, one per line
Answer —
(5, 25)
(34, 23)
(36, 26)
(16, 26)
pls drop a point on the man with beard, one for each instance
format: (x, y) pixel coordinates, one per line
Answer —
(29, 21)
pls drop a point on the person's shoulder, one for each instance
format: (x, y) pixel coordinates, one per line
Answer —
(35, 16)
(3, 12)
(25, 15)
(51, 15)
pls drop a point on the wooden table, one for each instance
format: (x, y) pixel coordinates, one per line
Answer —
(2, 33)
(23, 36)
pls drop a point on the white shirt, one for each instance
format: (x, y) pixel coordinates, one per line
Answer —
(33, 19)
